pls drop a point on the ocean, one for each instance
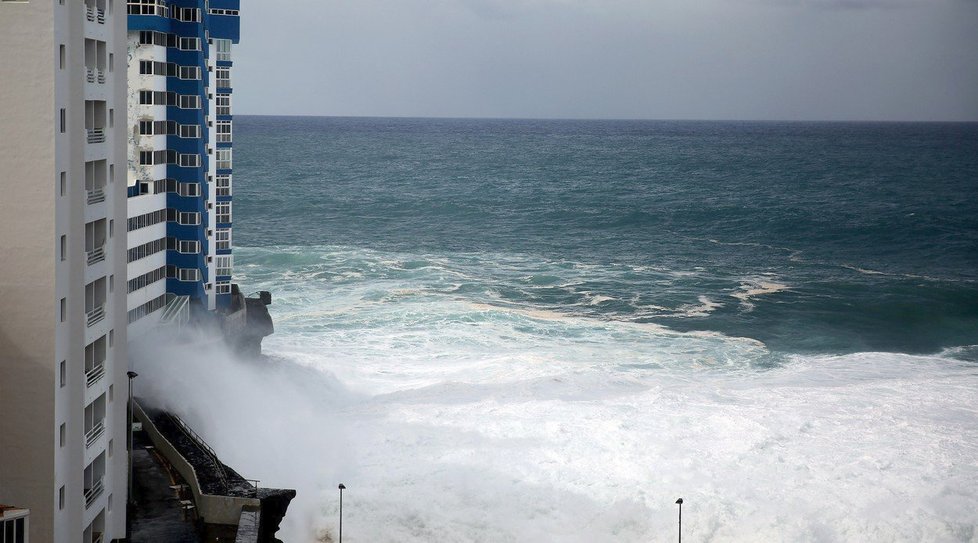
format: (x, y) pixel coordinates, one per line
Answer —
(521, 330)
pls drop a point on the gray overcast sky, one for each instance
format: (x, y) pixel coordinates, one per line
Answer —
(656, 59)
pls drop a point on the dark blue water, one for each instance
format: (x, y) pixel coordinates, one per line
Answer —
(810, 237)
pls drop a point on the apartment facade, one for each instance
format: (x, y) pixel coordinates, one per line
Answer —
(180, 158)
(63, 382)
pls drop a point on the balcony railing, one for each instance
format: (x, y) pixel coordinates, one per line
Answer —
(96, 432)
(96, 255)
(100, 15)
(94, 375)
(96, 135)
(90, 13)
(96, 196)
(95, 315)
(98, 537)
(90, 75)
(91, 494)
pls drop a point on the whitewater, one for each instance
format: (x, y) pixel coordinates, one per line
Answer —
(498, 331)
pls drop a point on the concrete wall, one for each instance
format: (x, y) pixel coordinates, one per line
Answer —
(29, 307)
(212, 509)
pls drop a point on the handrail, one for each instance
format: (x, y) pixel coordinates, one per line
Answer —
(96, 196)
(96, 135)
(176, 310)
(92, 493)
(95, 433)
(199, 441)
(93, 375)
(96, 255)
(95, 315)
(98, 538)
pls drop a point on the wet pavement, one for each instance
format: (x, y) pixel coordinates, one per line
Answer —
(159, 515)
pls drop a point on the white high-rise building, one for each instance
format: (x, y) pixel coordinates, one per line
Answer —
(63, 383)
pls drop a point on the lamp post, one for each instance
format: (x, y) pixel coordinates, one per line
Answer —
(680, 502)
(132, 375)
(129, 501)
(342, 487)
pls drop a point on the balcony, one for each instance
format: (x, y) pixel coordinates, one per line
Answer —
(95, 14)
(96, 432)
(95, 315)
(94, 375)
(91, 494)
(94, 75)
(96, 135)
(96, 196)
(96, 255)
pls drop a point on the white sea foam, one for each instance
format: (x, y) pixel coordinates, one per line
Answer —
(453, 420)
(753, 287)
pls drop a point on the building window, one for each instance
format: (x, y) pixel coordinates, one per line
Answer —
(223, 78)
(223, 104)
(64, 182)
(61, 498)
(223, 184)
(189, 101)
(62, 435)
(64, 248)
(61, 56)
(223, 264)
(223, 239)
(64, 309)
(188, 274)
(189, 44)
(188, 189)
(224, 159)
(189, 131)
(190, 161)
(188, 247)
(190, 72)
(223, 212)
(64, 372)
(223, 287)
(223, 48)
(223, 131)
(64, 120)
(188, 218)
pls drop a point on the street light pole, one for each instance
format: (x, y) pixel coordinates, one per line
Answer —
(129, 501)
(342, 487)
(680, 502)
(132, 375)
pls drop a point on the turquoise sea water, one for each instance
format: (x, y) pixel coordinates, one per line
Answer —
(549, 330)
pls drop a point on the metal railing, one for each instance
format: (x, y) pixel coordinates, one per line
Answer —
(101, 76)
(95, 315)
(96, 432)
(90, 13)
(96, 135)
(98, 538)
(90, 75)
(100, 15)
(91, 494)
(176, 311)
(94, 375)
(203, 446)
(96, 255)
(96, 196)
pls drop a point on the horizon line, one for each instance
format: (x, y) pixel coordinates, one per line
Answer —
(619, 119)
